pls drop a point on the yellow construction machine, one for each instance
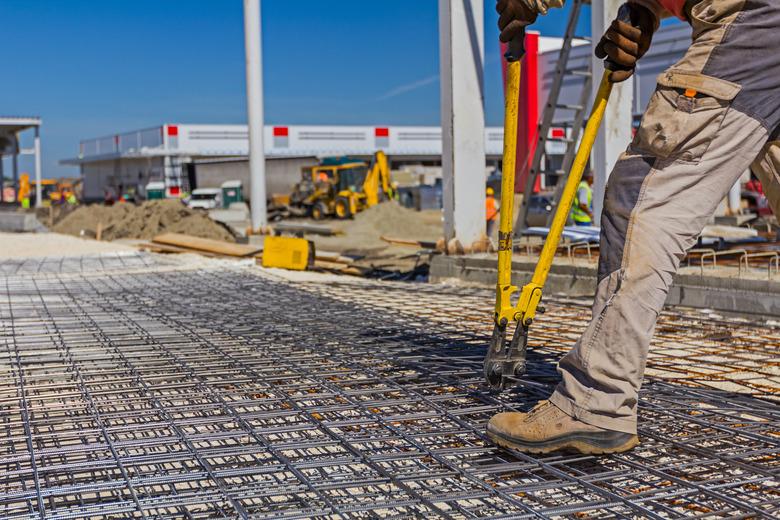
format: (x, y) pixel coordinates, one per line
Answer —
(52, 190)
(342, 187)
(505, 360)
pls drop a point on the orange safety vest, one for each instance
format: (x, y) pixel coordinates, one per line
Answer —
(491, 211)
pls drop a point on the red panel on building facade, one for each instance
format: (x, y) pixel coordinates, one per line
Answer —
(173, 130)
(382, 132)
(281, 131)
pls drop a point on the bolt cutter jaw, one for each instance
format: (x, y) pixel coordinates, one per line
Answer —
(505, 361)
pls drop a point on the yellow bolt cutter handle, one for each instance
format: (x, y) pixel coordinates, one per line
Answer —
(505, 361)
(504, 289)
(527, 305)
(500, 359)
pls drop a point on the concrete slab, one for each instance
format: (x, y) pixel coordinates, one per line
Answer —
(17, 222)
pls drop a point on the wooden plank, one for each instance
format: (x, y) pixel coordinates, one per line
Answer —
(329, 256)
(406, 242)
(164, 249)
(206, 244)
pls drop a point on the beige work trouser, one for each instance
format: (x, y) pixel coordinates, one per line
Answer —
(714, 114)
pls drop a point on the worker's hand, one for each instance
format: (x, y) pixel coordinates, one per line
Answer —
(514, 16)
(624, 43)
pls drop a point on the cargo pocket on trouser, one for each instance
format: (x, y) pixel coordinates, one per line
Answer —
(684, 115)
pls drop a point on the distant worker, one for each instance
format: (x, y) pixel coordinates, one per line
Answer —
(714, 114)
(491, 211)
(25, 189)
(582, 209)
(394, 195)
(71, 199)
(322, 176)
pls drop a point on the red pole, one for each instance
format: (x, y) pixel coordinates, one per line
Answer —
(529, 109)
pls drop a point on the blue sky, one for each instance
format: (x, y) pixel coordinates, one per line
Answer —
(92, 68)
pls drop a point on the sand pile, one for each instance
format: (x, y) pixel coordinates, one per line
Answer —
(362, 233)
(392, 219)
(143, 221)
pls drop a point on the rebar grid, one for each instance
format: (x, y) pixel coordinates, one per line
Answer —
(230, 393)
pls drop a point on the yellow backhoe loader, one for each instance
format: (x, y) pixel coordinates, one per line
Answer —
(342, 187)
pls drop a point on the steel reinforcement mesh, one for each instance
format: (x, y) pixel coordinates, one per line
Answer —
(222, 392)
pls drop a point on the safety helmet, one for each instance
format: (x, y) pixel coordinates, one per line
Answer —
(489, 191)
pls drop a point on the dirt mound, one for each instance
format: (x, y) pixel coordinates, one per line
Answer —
(143, 221)
(362, 233)
(392, 219)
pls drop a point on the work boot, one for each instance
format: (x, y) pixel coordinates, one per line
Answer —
(546, 428)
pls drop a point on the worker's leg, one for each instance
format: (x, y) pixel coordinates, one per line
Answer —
(709, 118)
(654, 210)
(767, 168)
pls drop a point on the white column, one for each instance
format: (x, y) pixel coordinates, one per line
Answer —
(254, 104)
(461, 50)
(37, 146)
(735, 198)
(15, 164)
(2, 182)
(615, 133)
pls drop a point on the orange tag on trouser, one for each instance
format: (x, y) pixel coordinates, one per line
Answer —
(691, 93)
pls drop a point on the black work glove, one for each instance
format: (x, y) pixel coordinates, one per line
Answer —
(514, 16)
(625, 43)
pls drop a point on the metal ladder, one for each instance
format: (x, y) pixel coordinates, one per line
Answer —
(575, 117)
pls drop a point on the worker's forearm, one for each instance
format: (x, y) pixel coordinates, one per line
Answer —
(654, 7)
(542, 6)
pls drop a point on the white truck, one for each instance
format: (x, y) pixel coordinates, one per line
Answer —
(205, 198)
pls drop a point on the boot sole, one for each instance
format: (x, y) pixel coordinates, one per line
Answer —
(586, 444)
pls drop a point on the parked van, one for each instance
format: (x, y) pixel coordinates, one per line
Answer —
(205, 198)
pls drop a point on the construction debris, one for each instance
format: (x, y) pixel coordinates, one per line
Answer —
(144, 221)
(305, 227)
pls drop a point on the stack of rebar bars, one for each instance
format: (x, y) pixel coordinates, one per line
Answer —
(132, 389)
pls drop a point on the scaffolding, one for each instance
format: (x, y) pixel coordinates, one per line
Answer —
(138, 389)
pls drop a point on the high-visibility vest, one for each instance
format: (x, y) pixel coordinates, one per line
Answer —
(577, 213)
(491, 212)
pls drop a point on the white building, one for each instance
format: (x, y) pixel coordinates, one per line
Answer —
(185, 156)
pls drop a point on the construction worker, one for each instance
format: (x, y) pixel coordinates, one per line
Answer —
(714, 114)
(25, 189)
(394, 194)
(491, 211)
(582, 209)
